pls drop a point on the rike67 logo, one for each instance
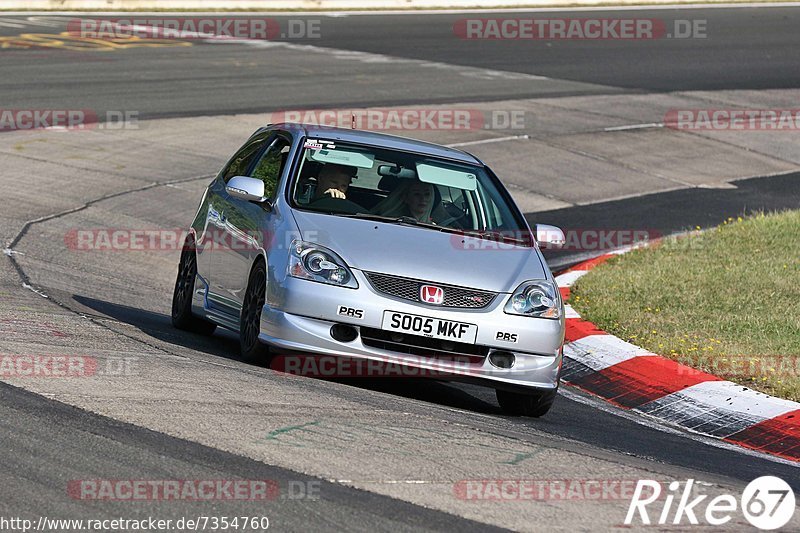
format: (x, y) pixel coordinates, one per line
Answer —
(767, 503)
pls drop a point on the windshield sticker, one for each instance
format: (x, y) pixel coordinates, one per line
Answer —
(343, 157)
(319, 144)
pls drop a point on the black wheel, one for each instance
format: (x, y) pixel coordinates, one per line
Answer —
(526, 404)
(182, 317)
(250, 324)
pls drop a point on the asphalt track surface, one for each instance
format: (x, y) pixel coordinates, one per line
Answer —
(743, 49)
(46, 442)
(46, 429)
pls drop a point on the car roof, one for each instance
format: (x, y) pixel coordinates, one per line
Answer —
(382, 140)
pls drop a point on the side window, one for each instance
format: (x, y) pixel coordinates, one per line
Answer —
(244, 158)
(270, 166)
(496, 210)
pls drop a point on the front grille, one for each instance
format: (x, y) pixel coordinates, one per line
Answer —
(408, 289)
(423, 346)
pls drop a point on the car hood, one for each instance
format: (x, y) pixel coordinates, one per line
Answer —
(422, 253)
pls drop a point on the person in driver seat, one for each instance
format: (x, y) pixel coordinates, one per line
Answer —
(333, 180)
(331, 193)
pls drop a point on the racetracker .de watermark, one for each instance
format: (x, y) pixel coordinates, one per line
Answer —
(201, 490)
(67, 119)
(218, 28)
(548, 29)
(175, 239)
(545, 489)
(733, 119)
(65, 366)
(406, 119)
(777, 366)
(343, 366)
(575, 239)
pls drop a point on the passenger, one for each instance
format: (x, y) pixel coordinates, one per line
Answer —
(412, 198)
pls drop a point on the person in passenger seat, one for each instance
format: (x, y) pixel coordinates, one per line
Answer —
(412, 198)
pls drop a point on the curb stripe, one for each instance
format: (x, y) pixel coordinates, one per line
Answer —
(641, 380)
(573, 370)
(568, 278)
(733, 397)
(718, 408)
(591, 263)
(577, 329)
(696, 415)
(779, 436)
(602, 351)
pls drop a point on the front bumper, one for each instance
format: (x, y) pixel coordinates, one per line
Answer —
(300, 320)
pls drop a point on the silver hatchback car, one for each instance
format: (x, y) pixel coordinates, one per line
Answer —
(324, 242)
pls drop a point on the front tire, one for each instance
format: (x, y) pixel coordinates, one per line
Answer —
(253, 349)
(526, 404)
(182, 316)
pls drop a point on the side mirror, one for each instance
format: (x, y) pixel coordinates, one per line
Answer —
(244, 188)
(549, 236)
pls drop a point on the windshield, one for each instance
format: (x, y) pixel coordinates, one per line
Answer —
(348, 179)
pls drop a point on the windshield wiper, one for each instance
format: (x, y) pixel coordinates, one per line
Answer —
(498, 236)
(411, 221)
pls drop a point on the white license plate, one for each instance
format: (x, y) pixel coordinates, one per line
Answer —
(436, 328)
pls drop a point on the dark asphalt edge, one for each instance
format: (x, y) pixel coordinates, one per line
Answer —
(396, 102)
(670, 212)
(77, 419)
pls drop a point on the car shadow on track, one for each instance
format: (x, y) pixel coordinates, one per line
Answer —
(455, 395)
(159, 326)
(226, 344)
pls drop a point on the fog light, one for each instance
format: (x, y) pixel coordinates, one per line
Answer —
(501, 359)
(343, 333)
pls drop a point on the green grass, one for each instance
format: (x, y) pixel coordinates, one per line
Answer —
(725, 300)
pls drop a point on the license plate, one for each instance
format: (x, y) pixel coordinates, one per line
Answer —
(436, 328)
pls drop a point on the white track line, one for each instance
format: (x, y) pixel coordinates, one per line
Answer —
(636, 127)
(368, 57)
(350, 55)
(487, 141)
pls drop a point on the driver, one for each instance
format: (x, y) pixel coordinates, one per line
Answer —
(333, 181)
(331, 194)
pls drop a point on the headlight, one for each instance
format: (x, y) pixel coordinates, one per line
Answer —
(313, 262)
(535, 298)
